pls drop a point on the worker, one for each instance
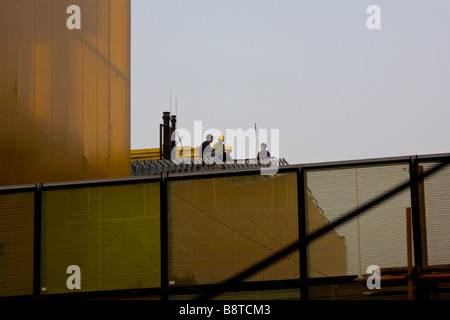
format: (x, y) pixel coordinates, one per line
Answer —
(264, 154)
(206, 150)
(228, 158)
(219, 148)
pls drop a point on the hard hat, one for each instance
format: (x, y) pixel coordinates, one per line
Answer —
(221, 137)
(229, 148)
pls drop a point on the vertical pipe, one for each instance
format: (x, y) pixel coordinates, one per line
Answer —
(409, 253)
(169, 144)
(160, 141)
(166, 135)
(303, 250)
(173, 121)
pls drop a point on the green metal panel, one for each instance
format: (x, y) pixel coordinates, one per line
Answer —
(111, 233)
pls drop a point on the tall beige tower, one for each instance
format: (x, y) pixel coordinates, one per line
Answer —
(64, 90)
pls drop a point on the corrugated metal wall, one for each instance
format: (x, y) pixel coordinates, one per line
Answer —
(219, 227)
(112, 233)
(16, 243)
(64, 94)
(376, 238)
(436, 203)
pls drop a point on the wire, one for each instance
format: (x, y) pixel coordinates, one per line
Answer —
(312, 268)
(242, 211)
(230, 227)
(357, 219)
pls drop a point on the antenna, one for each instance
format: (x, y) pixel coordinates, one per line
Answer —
(170, 101)
(179, 139)
(256, 141)
(176, 106)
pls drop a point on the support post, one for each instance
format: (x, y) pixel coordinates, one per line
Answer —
(423, 224)
(335, 291)
(409, 252)
(416, 220)
(164, 234)
(303, 250)
(37, 241)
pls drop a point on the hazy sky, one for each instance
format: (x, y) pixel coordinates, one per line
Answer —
(312, 69)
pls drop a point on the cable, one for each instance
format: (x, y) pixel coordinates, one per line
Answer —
(235, 204)
(230, 227)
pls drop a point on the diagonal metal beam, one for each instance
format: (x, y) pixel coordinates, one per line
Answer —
(228, 284)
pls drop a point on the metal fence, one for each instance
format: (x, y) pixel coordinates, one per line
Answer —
(308, 232)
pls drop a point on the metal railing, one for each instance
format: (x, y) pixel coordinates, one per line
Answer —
(165, 171)
(158, 167)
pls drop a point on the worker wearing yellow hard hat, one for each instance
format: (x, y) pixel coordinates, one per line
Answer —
(219, 148)
(228, 157)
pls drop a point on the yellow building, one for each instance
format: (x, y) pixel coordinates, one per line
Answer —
(65, 116)
(64, 90)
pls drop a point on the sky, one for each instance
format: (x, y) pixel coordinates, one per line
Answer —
(312, 71)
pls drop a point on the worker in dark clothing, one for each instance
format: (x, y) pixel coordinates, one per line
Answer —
(263, 154)
(206, 150)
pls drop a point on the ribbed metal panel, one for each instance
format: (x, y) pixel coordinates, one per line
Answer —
(112, 233)
(378, 237)
(64, 94)
(437, 212)
(16, 244)
(221, 226)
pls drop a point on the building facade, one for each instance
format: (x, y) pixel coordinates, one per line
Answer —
(64, 90)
